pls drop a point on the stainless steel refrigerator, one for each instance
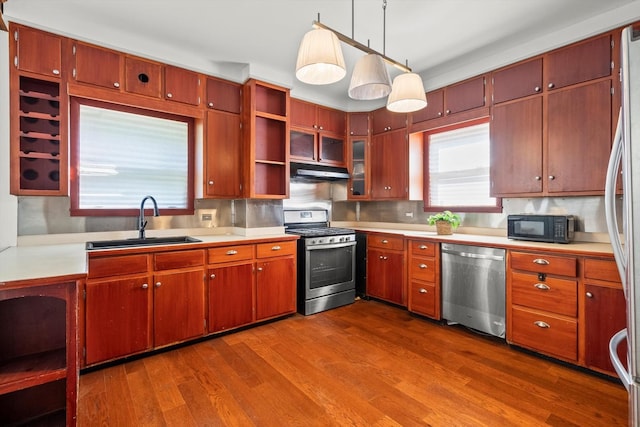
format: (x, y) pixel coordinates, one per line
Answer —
(626, 154)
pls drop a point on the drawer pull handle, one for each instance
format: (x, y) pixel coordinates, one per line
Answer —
(541, 261)
(423, 247)
(422, 291)
(275, 248)
(384, 241)
(541, 324)
(232, 252)
(542, 286)
(423, 266)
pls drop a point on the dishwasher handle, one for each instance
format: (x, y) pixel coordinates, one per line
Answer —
(472, 255)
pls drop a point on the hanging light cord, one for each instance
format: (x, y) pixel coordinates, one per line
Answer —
(384, 27)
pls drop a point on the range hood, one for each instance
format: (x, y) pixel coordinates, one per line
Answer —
(318, 172)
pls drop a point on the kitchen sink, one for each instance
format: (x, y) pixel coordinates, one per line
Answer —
(148, 241)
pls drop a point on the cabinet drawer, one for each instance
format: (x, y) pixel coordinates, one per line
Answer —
(556, 295)
(385, 242)
(118, 265)
(178, 259)
(423, 248)
(422, 269)
(423, 299)
(230, 253)
(544, 263)
(547, 333)
(268, 250)
(601, 269)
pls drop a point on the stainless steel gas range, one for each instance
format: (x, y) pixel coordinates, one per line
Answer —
(326, 261)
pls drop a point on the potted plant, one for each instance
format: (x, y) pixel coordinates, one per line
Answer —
(445, 222)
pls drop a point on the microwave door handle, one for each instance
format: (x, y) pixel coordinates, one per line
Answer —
(610, 201)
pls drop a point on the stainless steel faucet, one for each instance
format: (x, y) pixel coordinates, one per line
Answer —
(142, 223)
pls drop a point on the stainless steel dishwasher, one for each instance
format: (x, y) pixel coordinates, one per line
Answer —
(473, 287)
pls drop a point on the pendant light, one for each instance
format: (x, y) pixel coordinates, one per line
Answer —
(320, 59)
(370, 78)
(407, 94)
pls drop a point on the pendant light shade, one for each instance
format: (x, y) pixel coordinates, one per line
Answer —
(320, 59)
(407, 94)
(370, 78)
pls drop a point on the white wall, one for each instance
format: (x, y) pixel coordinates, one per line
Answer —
(8, 203)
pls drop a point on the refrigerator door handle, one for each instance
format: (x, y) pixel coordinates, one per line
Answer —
(610, 201)
(616, 340)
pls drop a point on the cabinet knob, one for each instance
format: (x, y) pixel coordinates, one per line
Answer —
(552, 177)
(321, 127)
(538, 177)
(384, 241)
(423, 266)
(169, 95)
(56, 72)
(542, 286)
(536, 89)
(145, 286)
(439, 113)
(213, 276)
(551, 85)
(116, 84)
(210, 105)
(259, 268)
(384, 257)
(158, 284)
(422, 290)
(351, 133)
(448, 111)
(589, 295)
(541, 261)
(541, 324)
(210, 182)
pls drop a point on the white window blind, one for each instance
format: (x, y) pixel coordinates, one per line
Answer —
(123, 157)
(459, 162)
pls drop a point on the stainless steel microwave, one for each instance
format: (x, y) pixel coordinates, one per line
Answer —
(541, 228)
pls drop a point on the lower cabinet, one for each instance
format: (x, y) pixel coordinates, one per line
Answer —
(230, 296)
(424, 278)
(275, 280)
(386, 268)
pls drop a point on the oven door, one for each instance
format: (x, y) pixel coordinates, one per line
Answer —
(329, 269)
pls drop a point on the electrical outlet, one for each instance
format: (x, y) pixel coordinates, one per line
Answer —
(409, 214)
(206, 217)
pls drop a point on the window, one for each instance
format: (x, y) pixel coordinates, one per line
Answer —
(458, 161)
(119, 155)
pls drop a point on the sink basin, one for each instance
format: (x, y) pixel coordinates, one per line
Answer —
(149, 241)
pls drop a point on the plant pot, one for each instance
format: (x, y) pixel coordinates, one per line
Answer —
(443, 227)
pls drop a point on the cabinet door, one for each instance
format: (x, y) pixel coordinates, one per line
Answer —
(520, 80)
(394, 284)
(330, 120)
(389, 157)
(230, 296)
(359, 181)
(579, 126)
(223, 148)
(579, 63)
(358, 124)
(275, 287)
(383, 120)
(434, 108)
(118, 321)
(223, 95)
(303, 114)
(302, 145)
(97, 66)
(516, 147)
(464, 96)
(375, 273)
(605, 315)
(38, 52)
(178, 306)
(143, 77)
(181, 85)
(331, 149)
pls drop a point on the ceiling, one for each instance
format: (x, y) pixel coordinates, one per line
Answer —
(443, 40)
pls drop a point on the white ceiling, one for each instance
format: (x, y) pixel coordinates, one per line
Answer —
(443, 40)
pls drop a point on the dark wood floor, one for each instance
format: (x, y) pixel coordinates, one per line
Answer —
(366, 364)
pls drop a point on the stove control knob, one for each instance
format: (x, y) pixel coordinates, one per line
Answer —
(331, 240)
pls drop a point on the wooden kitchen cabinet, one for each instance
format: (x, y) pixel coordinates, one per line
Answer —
(38, 361)
(604, 313)
(181, 85)
(359, 186)
(542, 303)
(433, 110)
(517, 81)
(358, 124)
(223, 150)
(96, 65)
(465, 96)
(143, 77)
(275, 279)
(36, 51)
(316, 117)
(223, 95)
(424, 278)
(389, 165)
(386, 268)
(231, 298)
(383, 120)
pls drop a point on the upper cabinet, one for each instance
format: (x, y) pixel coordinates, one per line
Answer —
(465, 96)
(96, 65)
(358, 124)
(181, 85)
(143, 77)
(383, 120)
(37, 51)
(546, 111)
(223, 95)
(434, 108)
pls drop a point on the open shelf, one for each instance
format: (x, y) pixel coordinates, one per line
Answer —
(33, 369)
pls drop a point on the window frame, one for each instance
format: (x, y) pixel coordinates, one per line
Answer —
(74, 138)
(427, 175)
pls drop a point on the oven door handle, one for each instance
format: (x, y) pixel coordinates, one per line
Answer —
(331, 246)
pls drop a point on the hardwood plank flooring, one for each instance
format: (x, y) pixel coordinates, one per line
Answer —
(366, 364)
